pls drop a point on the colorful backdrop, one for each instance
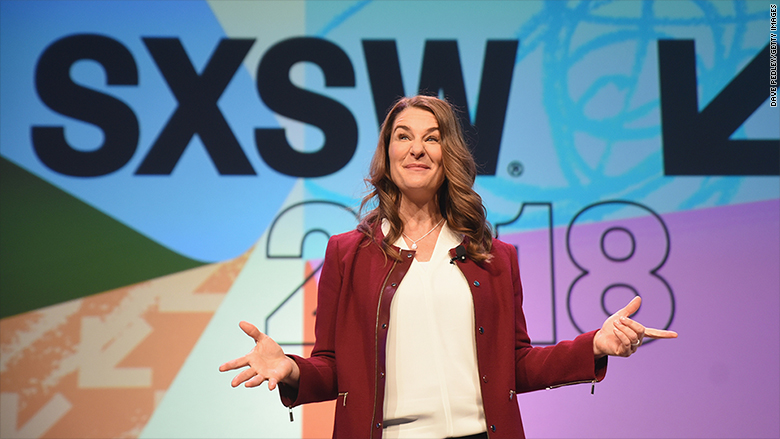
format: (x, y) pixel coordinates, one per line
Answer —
(170, 168)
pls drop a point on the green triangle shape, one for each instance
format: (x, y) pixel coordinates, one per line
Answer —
(55, 248)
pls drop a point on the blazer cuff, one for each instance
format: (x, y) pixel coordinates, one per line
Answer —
(289, 394)
(600, 364)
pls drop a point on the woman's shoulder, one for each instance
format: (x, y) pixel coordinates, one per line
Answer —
(348, 239)
(502, 246)
(349, 245)
(502, 250)
(349, 236)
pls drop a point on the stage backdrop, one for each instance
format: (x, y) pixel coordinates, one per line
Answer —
(171, 168)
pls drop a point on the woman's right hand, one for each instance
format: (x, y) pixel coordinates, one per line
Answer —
(266, 361)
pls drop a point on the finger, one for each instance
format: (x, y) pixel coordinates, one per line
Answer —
(234, 364)
(250, 330)
(631, 308)
(255, 381)
(623, 339)
(630, 334)
(635, 326)
(245, 375)
(659, 333)
(272, 382)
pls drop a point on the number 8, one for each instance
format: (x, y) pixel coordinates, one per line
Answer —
(618, 246)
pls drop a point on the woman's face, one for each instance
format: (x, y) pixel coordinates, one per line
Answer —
(415, 154)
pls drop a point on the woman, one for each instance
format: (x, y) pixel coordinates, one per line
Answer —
(420, 330)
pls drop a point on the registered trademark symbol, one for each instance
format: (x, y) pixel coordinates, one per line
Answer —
(515, 168)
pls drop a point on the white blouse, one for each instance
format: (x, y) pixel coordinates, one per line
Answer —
(432, 382)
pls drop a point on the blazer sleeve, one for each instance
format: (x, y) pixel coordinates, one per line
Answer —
(318, 378)
(567, 362)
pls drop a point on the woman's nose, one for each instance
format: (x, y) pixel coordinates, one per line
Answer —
(417, 150)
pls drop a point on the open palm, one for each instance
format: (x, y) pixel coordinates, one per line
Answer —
(266, 362)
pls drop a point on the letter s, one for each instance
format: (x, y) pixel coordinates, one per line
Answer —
(58, 91)
(280, 95)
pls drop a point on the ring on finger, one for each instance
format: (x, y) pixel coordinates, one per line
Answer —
(636, 343)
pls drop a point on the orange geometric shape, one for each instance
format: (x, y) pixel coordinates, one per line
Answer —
(96, 367)
(317, 418)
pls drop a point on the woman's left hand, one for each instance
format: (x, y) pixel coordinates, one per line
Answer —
(621, 336)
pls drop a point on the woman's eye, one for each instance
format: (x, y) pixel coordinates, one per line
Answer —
(432, 139)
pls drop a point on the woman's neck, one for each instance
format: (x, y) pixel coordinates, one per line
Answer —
(421, 227)
(419, 216)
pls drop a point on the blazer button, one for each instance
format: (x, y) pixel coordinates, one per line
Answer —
(394, 284)
(381, 375)
(493, 428)
(481, 330)
(379, 425)
(408, 255)
(384, 325)
(476, 283)
(484, 378)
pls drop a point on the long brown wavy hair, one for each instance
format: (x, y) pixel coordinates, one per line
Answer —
(458, 202)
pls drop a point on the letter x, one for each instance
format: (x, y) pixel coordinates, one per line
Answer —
(197, 112)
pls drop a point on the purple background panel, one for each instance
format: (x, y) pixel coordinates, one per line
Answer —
(721, 377)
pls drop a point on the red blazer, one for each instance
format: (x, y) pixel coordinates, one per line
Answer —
(357, 284)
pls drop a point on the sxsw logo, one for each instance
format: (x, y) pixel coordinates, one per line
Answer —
(694, 142)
